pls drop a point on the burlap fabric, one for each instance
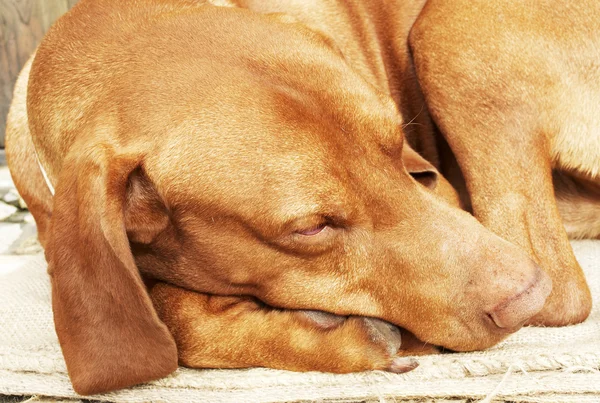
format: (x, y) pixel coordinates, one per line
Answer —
(534, 365)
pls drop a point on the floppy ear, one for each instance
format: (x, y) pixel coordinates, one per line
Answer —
(419, 168)
(109, 333)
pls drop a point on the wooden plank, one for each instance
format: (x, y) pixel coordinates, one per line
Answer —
(23, 23)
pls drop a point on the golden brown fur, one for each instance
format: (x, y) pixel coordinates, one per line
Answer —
(516, 100)
(198, 144)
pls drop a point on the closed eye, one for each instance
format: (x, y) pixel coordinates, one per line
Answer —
(311, 235)
(312, 231)
(312, 239)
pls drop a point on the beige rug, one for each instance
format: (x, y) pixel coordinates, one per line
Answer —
(534, 365)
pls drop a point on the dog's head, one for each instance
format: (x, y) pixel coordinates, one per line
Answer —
(232, 153)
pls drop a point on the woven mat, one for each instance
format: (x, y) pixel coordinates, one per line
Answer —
(533, 365)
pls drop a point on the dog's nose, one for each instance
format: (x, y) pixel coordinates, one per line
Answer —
(514, 311)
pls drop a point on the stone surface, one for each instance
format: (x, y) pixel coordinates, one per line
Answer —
(6, 210)
(18, 234)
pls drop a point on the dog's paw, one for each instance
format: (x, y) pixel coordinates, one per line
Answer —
(569, 303)
(389, 336)
(367, 343)
(539, 231)
(239, 332)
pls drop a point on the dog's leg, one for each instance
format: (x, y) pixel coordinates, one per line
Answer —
(493, 106)
(509, 177)
(507, 168)
(238, 332)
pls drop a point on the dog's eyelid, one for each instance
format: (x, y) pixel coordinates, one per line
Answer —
(313, 230)
(312, 224)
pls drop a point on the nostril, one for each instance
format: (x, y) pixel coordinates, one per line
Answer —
(500, 321)
(514, 311)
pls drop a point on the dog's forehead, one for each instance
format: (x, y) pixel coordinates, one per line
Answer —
(239, 160)
(276, 149)
(283, 123)
(205, 65)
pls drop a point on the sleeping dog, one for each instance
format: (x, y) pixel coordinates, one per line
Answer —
(279, 171)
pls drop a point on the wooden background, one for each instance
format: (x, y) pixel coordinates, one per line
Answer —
(22, 26)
